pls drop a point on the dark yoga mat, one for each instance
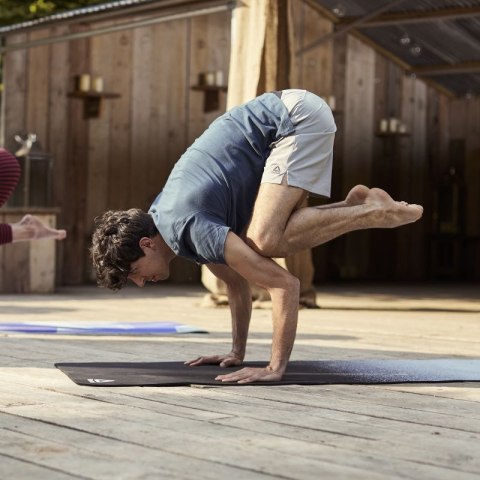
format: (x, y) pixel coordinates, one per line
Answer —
(298, 373)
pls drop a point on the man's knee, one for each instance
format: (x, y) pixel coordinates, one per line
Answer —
(267, 243)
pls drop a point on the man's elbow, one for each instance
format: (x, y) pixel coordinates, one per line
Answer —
(293, 285)
(287, 284)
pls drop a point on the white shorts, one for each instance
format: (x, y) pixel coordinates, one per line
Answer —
(306, 156)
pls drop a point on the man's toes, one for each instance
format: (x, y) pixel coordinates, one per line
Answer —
(415, 211)
(419, 209)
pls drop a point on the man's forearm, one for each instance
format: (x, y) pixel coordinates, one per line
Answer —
(240, 301)
(284, 290)
(285, 317)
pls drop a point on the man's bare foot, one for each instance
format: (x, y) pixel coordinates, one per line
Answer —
(31, 228)
(391, 213)
(357, 195)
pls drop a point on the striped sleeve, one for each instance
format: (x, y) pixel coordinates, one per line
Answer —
(9, 174)
(5, 233)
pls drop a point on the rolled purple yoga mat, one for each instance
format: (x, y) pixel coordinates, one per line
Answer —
(104, 328)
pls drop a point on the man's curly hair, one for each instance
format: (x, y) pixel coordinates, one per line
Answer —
(115, 244)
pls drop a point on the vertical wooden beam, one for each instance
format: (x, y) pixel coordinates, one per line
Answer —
(412, 255)
(58, 120)
(472, 166)
(314, 68)
(15, 76)
(246, 52)
(99, 129)
(143, 123)
(276, 52)
(208, 44)
(358, 144)
(382, 242)
(76, 173)
(120, 121)
(14, 98)
(37, 87)
(339, 89)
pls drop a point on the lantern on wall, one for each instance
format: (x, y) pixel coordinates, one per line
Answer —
(35, 185)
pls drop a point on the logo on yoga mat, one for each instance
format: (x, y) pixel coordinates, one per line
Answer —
(99, 380)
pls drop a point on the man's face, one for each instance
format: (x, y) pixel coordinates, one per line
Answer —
(152, 267)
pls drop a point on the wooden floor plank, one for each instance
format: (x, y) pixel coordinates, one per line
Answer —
(469, 392)
(19, 468)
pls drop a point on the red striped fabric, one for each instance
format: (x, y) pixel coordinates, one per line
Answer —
(9, 174)
(5, 233)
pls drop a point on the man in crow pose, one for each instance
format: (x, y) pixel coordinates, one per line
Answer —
(232, 202)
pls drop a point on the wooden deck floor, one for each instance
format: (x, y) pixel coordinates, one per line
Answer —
(53, 429)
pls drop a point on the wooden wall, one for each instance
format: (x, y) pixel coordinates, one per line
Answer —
(123, 158)
(442, 131)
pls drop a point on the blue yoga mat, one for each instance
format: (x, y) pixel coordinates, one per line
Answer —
(113, 328)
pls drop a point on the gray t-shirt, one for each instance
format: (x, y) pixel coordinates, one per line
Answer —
(213, 187)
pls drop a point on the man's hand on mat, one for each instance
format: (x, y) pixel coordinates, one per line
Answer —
(229, 360)
(249, 375)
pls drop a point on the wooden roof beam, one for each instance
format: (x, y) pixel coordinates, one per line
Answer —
(447, 69)
(355, 24)
(382, 51)
(404, 18)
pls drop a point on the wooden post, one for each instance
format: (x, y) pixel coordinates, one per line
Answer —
(265, 66)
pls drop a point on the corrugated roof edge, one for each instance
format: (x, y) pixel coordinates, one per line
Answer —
(72, 14)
